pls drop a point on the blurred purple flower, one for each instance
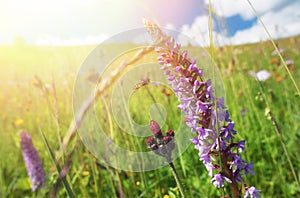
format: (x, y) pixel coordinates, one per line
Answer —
(289, 62)
(32, 161)
(275, 52)
(252, 192)
(243, 112)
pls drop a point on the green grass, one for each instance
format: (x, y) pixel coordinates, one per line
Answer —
(24, 106)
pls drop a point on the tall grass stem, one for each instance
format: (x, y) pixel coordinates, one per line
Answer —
(58, 168)
(276, 48)
(56, 115)
(279, 134)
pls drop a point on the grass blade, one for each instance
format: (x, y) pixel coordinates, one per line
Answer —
(58, 168)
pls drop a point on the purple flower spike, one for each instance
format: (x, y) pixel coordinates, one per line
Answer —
(33, 163)
(204, 114)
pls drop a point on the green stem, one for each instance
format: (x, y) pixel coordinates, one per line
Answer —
(177, 179)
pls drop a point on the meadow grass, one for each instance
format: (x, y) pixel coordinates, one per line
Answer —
(27, 103)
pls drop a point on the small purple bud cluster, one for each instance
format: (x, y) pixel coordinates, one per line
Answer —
(204, 114)
(159, 144)
(33, 163)
(281, 50)
(288, 62)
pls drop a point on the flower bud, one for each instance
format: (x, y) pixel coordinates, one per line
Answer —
(155, 128)
(170, 133)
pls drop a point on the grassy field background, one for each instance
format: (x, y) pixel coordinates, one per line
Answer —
(36, 94)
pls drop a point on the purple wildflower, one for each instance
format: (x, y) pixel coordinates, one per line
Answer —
(248, 168)
(252, 192)
(275, 51)
(218, 180)
(241, 146)
(289, 62)
(32, 161)
(204, 113)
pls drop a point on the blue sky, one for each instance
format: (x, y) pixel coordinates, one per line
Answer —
(237, 23)
(79, 22)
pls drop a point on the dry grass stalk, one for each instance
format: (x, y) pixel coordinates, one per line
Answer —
(103, 85)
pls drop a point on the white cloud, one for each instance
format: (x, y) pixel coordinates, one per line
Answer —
(227, 8)
(280, 23)
(48, 40)
(199, 32)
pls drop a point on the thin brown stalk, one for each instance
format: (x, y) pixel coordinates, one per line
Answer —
(234, 188)
(56, 116)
